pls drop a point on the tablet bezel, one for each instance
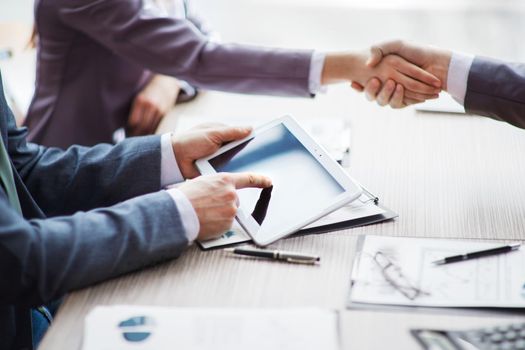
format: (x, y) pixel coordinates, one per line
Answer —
(351, 190)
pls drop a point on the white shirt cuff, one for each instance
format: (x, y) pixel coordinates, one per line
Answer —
(458, 72)
(188, 216)
(169, 169)
(316, 70)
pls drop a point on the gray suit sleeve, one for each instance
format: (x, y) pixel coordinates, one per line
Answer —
(497, 89)
(81, 178)
(176, 47)
(40, 260)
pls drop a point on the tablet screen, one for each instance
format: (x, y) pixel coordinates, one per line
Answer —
(301, 187)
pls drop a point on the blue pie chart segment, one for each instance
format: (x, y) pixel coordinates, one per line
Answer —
(141, 323)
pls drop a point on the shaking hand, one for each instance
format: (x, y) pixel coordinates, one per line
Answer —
(433, 60)
(389, 70)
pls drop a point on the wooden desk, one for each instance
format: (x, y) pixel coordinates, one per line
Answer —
(446, 176)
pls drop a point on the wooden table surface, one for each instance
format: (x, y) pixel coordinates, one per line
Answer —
(447, 176)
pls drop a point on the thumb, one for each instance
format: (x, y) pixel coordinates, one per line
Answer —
(376, 55)
(227, 134)
(377, 52)
(244, 180)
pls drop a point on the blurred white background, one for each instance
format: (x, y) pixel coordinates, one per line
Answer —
(16, 10)
(465, 25)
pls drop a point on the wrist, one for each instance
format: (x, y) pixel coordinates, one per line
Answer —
(341, 67)
(441, 66)
(179, 156)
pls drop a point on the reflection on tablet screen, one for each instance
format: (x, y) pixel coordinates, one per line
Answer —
(301, 187)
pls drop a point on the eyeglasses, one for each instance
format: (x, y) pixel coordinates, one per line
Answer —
(395, 277)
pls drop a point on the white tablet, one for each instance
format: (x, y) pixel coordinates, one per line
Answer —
(307, 182)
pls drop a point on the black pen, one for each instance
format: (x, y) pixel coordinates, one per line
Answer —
(478, 254)
(290, 257)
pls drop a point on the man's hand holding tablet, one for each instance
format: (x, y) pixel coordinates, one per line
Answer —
(213, 197)
(306, 183)
(201, 141)
(215, 200)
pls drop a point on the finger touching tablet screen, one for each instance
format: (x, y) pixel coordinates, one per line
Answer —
(307, 183)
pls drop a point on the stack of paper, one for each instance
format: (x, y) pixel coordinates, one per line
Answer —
(155, 328)
(444, 104)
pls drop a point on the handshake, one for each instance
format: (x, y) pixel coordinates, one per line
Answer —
(395, 73)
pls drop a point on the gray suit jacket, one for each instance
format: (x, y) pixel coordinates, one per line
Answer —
(496, 89)
(89, 214)
(95, 56)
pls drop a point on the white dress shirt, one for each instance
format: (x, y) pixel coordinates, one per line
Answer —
(169, 175)
(457, 78)
(316, 70)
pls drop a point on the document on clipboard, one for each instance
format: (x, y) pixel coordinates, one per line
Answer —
(366, 210)
(335, 137)
(400, 271)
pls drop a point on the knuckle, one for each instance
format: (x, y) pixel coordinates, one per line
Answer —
(230, 195)
(251, 179)
(224, 178)
(230, 211)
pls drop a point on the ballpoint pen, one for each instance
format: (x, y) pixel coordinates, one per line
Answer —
(290, 257)
(478, 254)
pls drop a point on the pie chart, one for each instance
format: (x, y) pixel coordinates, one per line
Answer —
(137, 329)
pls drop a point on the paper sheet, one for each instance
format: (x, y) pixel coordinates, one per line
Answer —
(363, 207)
(493, 281)
(156, 328)
(235, 235)
(444, 104)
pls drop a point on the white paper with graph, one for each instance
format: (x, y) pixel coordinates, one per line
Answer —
(494, 281)
(132, 327)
